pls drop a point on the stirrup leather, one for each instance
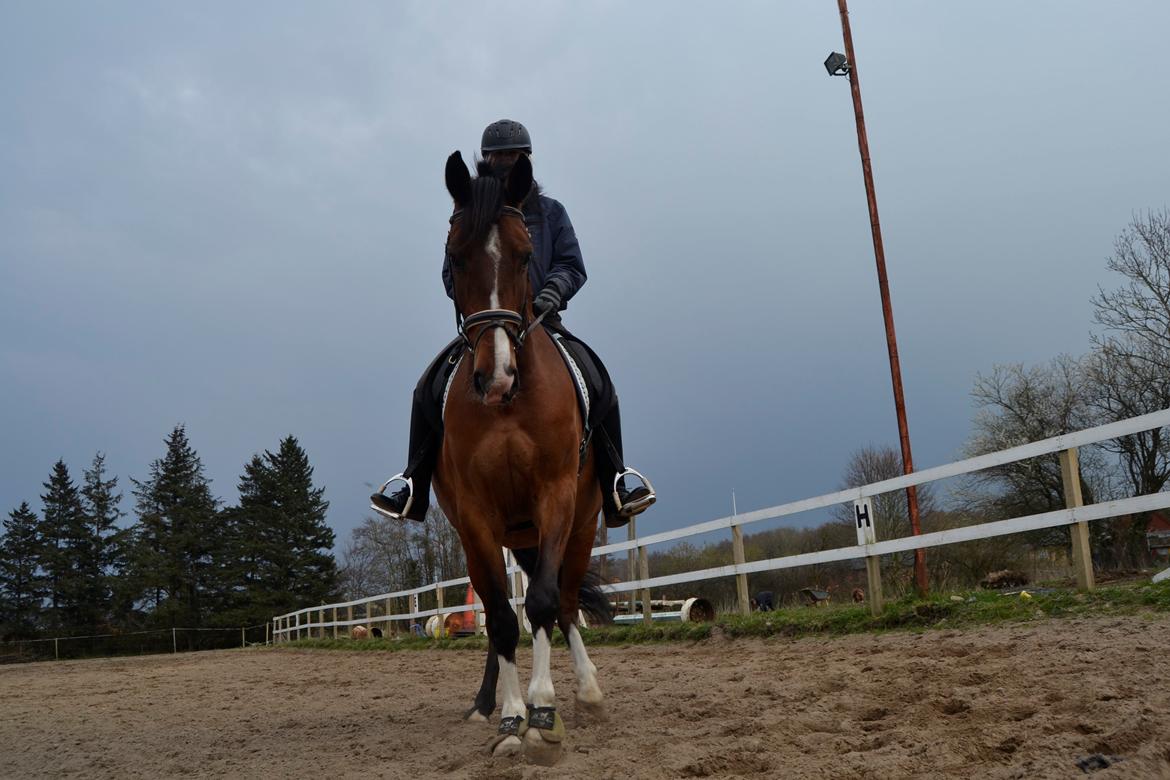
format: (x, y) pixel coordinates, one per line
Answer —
(634, 507)
(409, 498)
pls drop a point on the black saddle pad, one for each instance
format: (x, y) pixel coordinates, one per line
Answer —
(436, 378)
(595, 378)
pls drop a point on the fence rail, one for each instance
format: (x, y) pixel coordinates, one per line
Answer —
(142, 642)
(294, 624)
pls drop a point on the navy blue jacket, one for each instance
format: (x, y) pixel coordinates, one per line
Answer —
(556, 255)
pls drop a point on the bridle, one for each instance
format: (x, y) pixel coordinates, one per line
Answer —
(513, 323)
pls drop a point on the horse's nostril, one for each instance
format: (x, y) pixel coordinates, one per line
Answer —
(510, 370)
(477, 382)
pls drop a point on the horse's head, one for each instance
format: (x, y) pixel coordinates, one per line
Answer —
(490, 250)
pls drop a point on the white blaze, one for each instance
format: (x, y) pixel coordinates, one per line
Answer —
(500, 340)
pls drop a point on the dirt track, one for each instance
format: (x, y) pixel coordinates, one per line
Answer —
(1016, 701)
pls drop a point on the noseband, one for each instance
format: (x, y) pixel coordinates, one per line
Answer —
(513, 323)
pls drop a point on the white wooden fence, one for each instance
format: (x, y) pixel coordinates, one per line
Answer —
(311, 621)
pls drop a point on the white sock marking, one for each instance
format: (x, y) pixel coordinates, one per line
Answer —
(513, 700)
(540, 691)
(587, 688)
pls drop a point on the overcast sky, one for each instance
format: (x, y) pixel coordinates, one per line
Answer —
(232, 216)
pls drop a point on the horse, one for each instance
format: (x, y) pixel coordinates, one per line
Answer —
(514, 468)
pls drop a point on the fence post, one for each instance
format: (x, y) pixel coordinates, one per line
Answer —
(603, 564)
(866, 535)
(174, 640)
(56, 650)
(387, 626)
(1082, 552)
(442, 622)
(334, 621)
(349, 618)
(632, 534)
(243, 637)
(522, 593)
(741, 583)
(517, 588)
(644, 573)
(267, 629)
(873, 578)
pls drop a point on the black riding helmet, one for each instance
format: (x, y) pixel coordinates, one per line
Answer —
(503, 135)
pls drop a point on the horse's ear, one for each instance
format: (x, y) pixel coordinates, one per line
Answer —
(519, 181)
(458, 179)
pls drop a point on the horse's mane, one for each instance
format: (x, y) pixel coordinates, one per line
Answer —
(487, 198)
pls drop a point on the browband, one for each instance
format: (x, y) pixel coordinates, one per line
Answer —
(510, 211)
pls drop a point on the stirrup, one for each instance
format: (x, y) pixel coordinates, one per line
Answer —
(636, 506)
(382, 492)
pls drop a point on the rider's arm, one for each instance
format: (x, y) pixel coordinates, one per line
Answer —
(567, 269)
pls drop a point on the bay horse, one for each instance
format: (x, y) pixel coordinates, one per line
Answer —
(510, 471)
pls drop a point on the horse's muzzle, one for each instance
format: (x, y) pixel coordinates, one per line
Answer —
(496, 390)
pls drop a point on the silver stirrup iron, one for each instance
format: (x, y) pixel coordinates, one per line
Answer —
(634, 507)
(409, 499)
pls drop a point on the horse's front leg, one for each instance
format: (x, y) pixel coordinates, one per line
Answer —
(485, 699)
(542, 604)
(485, 565)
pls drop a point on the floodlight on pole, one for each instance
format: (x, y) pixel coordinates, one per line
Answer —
(839, 64)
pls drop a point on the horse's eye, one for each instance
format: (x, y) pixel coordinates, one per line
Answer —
(526, 259)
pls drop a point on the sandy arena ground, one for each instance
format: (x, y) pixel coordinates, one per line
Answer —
(1021, 701)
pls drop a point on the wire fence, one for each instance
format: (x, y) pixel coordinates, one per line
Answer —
(150, 642)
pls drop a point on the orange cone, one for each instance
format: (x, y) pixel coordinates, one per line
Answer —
(469, 615)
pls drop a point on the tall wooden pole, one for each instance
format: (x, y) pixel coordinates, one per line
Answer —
(887, 308)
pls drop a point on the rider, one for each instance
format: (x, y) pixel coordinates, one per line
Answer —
(558, 272)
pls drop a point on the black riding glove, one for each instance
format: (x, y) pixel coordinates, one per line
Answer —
(549, 300)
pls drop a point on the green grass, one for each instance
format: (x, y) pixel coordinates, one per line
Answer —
(952, 610)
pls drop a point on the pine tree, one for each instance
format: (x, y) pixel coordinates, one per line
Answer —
(255, 551)
(314, 573)
(21, 586)
(96, 559)
(281, 542)
(177, 540)
(62, 532)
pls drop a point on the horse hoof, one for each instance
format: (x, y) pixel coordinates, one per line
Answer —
(474, 715)
(539, 750)
(505, 745)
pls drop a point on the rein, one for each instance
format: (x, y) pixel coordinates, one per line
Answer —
(494, 318)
